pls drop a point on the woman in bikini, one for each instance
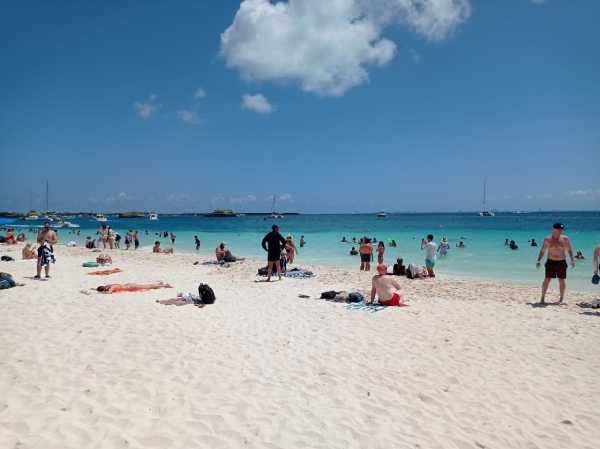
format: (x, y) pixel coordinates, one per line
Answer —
(290, 249)
(130, 287)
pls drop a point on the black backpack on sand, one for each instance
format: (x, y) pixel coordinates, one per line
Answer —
(207, 295)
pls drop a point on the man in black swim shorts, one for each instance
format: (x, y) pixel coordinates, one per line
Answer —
(556, 266)
(272, 244)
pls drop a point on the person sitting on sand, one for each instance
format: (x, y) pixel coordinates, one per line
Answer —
(399, 269)
(220, 252)
(10, 236)
(157, 249)
(385, 288)
(579, 255)
(28, 252)
(353, 251)
(130, 287)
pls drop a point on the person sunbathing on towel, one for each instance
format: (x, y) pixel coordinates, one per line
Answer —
(385, 287)
(157, 249)
(105, 272)
(182, 300)
(131, 287)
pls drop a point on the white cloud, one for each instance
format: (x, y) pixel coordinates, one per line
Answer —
(189, 117)
(257, 103)
(585, 193)
(121, 196)
(415, 56)
(148, 108)
(242, 199)
(200, 93)
(327, 46)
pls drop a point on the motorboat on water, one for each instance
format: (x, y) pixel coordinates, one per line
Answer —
(101, 218)
(153, 216)
(381, 215)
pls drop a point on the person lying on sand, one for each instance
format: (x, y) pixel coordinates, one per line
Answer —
(130, 287)
(385, 288)
(157, 249)
(105, 272)
(182, 300)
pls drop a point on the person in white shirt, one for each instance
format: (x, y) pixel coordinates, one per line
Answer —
(430, 249)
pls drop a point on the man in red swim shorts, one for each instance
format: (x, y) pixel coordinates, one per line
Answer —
(557, 245)
(385, 287)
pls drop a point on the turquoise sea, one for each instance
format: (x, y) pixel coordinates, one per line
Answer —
(485, 255)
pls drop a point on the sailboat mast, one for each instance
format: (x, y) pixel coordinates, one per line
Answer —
(484, 192)
(273, 205)
(47, 197)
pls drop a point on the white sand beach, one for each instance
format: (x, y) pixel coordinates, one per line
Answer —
(467, 365)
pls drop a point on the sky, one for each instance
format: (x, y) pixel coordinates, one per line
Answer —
(337, 106)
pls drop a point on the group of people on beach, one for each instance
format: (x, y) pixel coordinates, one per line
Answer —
(281, 251)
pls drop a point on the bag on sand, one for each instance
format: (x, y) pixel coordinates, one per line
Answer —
(207, 295)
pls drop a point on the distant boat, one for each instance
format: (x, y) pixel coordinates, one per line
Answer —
(101, 218)
(153, 217)
(32, 217)
(273, 213)
(381, 215)
(221, 213)
(484, 210)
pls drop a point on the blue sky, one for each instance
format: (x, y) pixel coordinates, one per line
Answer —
(339, 106)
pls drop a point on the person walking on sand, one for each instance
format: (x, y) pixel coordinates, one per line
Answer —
(272, 244)
(366, 254)
(385, 288)
(556, 264)
(380, 252)
(430, 248)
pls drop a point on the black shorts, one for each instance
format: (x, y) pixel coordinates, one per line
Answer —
(365, 258)
(556, 269)
(274, 256)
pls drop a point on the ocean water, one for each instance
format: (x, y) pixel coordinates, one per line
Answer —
(485, 255)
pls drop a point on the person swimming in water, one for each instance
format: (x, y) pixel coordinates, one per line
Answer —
(579, 255)
(353, 251)
(513, 245)
(344, 239)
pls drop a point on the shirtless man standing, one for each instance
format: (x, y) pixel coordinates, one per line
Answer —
(385, 287)
(556, 264)
(47, 234)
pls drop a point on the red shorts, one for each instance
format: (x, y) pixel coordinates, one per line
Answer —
(396, 300)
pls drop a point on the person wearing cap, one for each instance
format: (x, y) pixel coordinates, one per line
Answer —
(556, 264)
(385, 288)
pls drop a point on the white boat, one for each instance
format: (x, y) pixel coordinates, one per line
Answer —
(32, 217)
(153, 216)
(381, 215)
(273, 213)
(101, 218)
(68, 224)
(485, 212)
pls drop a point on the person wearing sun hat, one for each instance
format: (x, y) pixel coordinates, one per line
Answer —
(556, 266)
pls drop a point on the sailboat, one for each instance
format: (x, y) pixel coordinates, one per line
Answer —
(484, 212)
(273, 213)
